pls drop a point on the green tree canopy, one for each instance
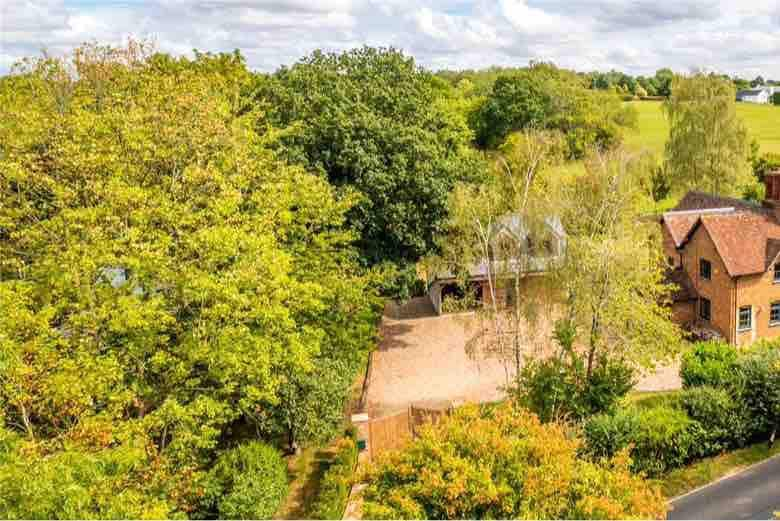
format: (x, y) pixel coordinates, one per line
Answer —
(613, 275)
(708, 146)
(165, 278)
(545, 97)
(370, 119)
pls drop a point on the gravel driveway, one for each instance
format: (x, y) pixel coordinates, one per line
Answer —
(423, 361)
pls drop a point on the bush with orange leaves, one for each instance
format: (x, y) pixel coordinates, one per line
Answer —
(499, 463)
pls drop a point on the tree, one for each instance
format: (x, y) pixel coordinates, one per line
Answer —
(372, 120)
(663, 82)
(502, 463)
(776, 98)
(514, 195)
(612, 277)
(708, 147)
(166, 278)
(545, 97)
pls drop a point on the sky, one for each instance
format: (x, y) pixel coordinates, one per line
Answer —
(636, 36)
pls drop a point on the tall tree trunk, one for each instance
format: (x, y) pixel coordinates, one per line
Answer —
(292, 445)
(594, 325)
(27, 423)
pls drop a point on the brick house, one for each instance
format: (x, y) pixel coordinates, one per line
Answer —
(724, 255)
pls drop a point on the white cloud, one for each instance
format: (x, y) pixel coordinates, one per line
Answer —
(638, 36)
(531, 20)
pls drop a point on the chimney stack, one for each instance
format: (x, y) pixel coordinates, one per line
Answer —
(772, 197)
(772, 184)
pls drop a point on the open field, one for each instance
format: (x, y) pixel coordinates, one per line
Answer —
(763, 122)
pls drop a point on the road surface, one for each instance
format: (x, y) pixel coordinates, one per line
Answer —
(752, 494)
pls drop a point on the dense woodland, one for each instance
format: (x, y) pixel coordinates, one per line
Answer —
(193, 256)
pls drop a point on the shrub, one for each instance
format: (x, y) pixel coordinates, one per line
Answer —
(336, 483)
(248, 482)
(757, 386)
(557, 388)
(503, 463)
(724, 422)
(708, 363)
(608, 383)
(671, 399)
(607, 434)
(660, 438)
(549, 389)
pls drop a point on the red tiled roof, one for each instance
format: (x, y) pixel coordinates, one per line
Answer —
(695, 200)
(679, 226)
(746, 235)
(745, 241)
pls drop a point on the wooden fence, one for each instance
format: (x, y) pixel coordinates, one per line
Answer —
(388, 433)
(394, 431)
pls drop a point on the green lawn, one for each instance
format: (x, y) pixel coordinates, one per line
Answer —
(685, 479)
(763, 122)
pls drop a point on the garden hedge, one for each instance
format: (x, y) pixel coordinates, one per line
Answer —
(336, 483)
(661, 438)
(708, 363)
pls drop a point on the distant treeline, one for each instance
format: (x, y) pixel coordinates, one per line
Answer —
(658, 84)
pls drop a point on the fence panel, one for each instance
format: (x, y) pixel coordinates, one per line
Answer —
(389, 433)
(419, 416)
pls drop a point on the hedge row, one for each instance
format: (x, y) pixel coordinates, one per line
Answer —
(336, 483)
(730, 398)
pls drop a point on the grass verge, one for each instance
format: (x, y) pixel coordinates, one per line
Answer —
(306, 470)
(702, 472)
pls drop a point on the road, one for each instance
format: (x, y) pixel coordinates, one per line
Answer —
(752, 494)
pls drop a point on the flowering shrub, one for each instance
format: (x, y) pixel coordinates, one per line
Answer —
(502, 462)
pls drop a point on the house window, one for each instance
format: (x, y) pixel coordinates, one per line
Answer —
(774, 314)
(777, 272)
(704, 309)
(745, 318)
(705, 269)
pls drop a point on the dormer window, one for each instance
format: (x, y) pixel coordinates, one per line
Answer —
(705, 269)
(777, 272)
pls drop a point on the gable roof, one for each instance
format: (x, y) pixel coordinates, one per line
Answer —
(681, 219)
(752, 92)
(741, 241)
(696, 200)
(680, 223)
(516, 225)
(679, 226)
(746, 243)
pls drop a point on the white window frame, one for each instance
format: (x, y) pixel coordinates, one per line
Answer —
(773, 322)
(740, 327)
